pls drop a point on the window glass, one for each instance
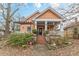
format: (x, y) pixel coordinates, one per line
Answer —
(17, 27)
(28, 29)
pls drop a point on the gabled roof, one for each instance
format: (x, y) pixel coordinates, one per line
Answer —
(32, 15)
(52, 10)
(39, 14)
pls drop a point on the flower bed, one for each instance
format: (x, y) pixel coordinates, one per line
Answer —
(20, 39)
(59, 43)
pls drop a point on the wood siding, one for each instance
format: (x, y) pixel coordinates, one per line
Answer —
(48, 15)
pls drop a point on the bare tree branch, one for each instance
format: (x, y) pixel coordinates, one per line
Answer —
(2, 24)
(14, 12)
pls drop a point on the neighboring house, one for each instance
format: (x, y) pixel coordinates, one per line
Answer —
(71, 30)
(16, 27)
(46, 20)
(1, 32)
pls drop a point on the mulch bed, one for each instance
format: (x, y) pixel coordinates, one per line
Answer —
(72, 50)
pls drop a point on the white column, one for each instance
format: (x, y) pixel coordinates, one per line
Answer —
(35, 24)
(45, 25)
(53, 23)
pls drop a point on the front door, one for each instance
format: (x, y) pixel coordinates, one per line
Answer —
(40, 31)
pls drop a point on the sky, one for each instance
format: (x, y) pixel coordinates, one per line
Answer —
(30, 8)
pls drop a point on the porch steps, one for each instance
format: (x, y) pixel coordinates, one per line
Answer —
(41, 39)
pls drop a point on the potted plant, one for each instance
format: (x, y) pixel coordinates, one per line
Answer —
(34, 31)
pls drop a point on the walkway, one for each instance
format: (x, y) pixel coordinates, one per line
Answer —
(72, 50)
(41, 39)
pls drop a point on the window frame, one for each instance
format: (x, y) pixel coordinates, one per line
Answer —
(29, 29)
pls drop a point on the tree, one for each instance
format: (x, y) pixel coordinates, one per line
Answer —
(7, 14)
(70, 13)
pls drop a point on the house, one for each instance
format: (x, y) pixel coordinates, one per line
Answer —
(46, 20)
(72, 30)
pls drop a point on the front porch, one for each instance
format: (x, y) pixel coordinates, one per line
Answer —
(46, 25)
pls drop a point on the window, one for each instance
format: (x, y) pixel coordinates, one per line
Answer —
(75, 30)
(17, 27)
(28, 29)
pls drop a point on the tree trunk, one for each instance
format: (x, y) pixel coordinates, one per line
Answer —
(7, 28)
(8, 18)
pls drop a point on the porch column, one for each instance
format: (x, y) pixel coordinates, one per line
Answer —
(45, 25)
(35, 24)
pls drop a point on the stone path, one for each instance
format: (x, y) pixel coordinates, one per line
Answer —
(41, 39)
(40, 47)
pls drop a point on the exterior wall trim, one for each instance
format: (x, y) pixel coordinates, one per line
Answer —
(48, 19)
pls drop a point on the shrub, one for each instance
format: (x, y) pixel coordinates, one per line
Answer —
(62, 41)
(59, 42)
(34, 31)
(19, 39)
(46, 32)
